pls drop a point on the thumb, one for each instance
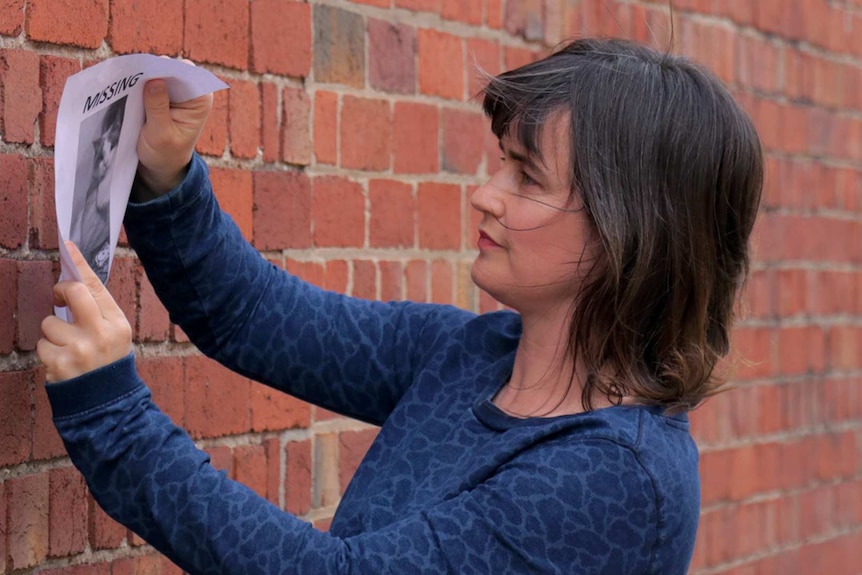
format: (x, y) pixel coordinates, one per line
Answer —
(157, 104)
(106, 303)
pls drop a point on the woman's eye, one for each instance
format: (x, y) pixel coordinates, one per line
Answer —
(527, 180)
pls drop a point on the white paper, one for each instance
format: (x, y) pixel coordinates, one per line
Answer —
(95, 151)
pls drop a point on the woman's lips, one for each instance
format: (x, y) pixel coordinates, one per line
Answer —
(486, 242)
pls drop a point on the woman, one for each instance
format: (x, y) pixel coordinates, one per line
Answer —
(552, 440)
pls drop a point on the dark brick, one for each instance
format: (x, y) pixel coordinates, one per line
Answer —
(20, 95)
(15, 428)
(391, 57)
(339, 47)
(13, 201)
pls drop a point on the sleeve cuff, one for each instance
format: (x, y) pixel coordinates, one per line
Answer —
(190, 190)
(95, 388)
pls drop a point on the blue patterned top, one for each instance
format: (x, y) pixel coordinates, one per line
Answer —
(452, 484)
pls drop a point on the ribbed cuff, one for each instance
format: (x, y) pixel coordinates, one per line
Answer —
(95, 388)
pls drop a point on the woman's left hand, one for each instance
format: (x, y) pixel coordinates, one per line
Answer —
(99, 334)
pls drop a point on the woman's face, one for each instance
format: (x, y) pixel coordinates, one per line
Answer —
(533, 236)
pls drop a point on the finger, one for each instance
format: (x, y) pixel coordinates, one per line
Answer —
(57, 331)
(81, 304)
(157, 105)
(49, 354)
(104, 301)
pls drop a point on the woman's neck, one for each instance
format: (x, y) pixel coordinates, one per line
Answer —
(545, 381)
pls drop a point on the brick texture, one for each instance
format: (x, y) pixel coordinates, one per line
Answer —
(345, 151)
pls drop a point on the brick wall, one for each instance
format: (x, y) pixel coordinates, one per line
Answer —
(346, 150)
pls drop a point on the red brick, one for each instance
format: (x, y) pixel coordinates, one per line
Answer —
(416, 276)
(514, 57)
(524, 18)
(339, 46)
(441, 282)
(11, 22)
(15, 426)
(43, 214)
(234, 191)
(337, 275)
(67, 517)
(494, 14)
(326, 127)
(35, 300)
(154, 324)
(164, 376)
(273, 410)
(439, 221)
(213, 138)
(282, 210)
(27, 510)
(311, 272)
(338, 212)
(296, 122)
(297, 478)
(364, 279)
(251, 468)
(104, 532)
(415, 141)
(392, 214)
(353, 445)
(281, 37)
(46, 441)
(441, 64)
(221, 399)
(221, 458)
(463, 139)
(391, 57)
(53, 71)
(147, 27)
(271, 133)
(272, 449)
(152, 564)
(326, 490)
(483, 58)
(216, 31)
(419, 5)
(13, 201)
(365, 133)
(844, 347)
(244, 111)
(391, 281)
(8, 303)
(123, 285)
(81, 23)
(467, 12)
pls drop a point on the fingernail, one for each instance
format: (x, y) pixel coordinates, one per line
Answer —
(155, 87)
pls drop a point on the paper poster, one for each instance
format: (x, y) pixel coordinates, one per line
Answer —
(95, 154)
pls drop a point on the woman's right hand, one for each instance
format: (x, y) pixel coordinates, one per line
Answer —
(167, 139)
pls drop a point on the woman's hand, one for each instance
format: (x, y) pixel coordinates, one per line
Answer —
(168, 138)
(99, 335)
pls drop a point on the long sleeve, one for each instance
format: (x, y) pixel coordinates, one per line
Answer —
(552, 510)
(348, 355)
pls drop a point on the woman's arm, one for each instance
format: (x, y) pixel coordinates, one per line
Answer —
(348, 355)
(548, 511)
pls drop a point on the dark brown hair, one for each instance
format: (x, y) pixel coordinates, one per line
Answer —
(669, 169)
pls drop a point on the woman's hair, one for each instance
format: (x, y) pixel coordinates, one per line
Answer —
(669, 169)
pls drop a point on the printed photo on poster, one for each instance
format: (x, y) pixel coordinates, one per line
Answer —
(90, 227)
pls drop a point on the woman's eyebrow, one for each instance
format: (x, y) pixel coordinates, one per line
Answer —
(525, 159)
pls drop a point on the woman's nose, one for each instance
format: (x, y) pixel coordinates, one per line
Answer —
(487, 198)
